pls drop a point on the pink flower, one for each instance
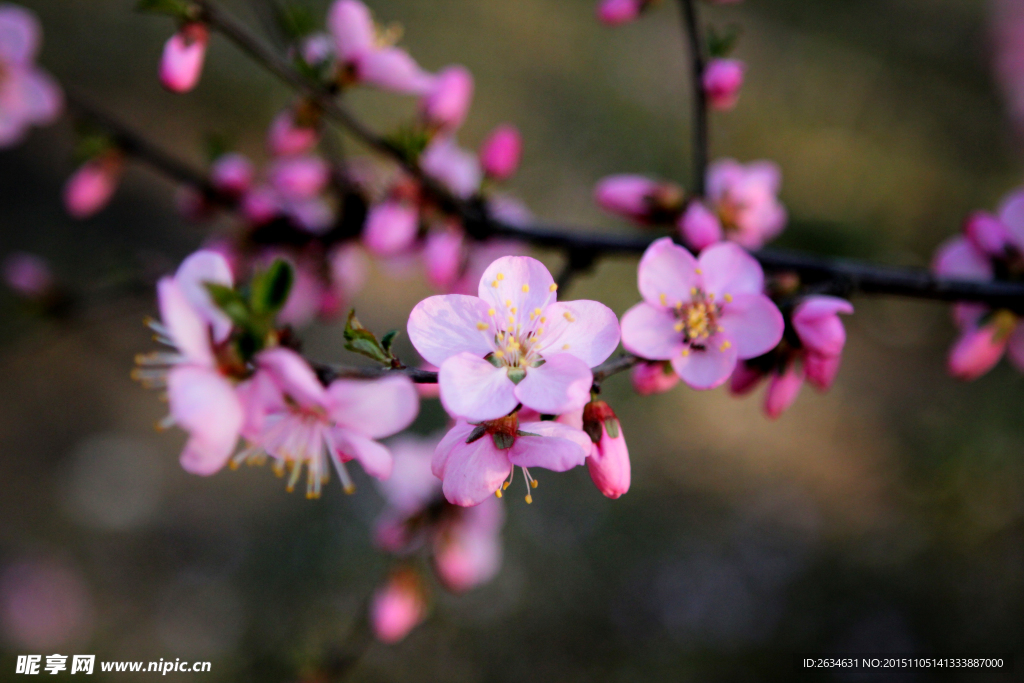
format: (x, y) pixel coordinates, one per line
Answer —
(468, 553)
(447, 102)
(391, 227)
(455, 167)
(501, 152)
(310, 423)
(260, 205)
(90, 188)
(365, 58)
(298, 178)
(701, 314)
(28, 95)
(232, 173)
(723, 79)
(817, 324)
(699, 227)
(287, 138)
(608, 459)
(638, 198)
(782, 391)
(398, 606)
(184, 54)
(513, 343)
(28, 275)
(745, 199)
(618, 12)
(653, 378)
(443, 255)
(473, 461)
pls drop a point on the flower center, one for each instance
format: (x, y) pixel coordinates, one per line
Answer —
(698, 319)
(514, 332)
(729, 210)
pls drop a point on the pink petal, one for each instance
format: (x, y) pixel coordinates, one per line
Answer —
(651, 378)
(470, 553)
(470, 472)
(41, 98)
(976, 352)
(232, 173)
(782, 391)
(391, 228)
(618, 12)
(91, 187)
(204, 403)
(392, 68)
(521, 280)
(753, 324)
(709, 367)
(352, 445)
(374, 408)
(411, 486)
(556, 447)
(298, 178)
(286, 138)
(474, 389)
(958, 258)
(27, 274)
(744, 379)
(723, 79)
(609, 467)
(351, 24)
(184, 54)
(1011, 213)
(20, 35)
(699, 227)
(193, 274)
(626, 195)
(562, 383)
(259, 396)
(187, 329)
(987, 233)
(501, 152)
(821, 370)
(349, 268)
(458, 169)
(649, 332)
(817, 323)
(294, 377)
(588, 330)
(729, 269)
(451, 93)
(396, 609)
(723, 174)
(667, 274)
(442, 255)
(459, 433)
(305, 296)
(443, 326)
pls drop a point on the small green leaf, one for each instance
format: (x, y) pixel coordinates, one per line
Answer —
(229, 301)
(721, 44)
(388, 339)
(520, 432)
(410, 141)
(360, 340)
(611, 425)
(477, 433)
(271, 287)
(516, 374)
(502, 441)
(182, 9)
(296, 21)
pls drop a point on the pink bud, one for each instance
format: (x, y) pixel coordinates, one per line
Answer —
(28, 275)
(314, 215)
(723, 79)
(821, 370)
(90, 187)
(232, 173)
(987, 233)
(608, 461)
(391, 228)
(447, 103)
(260, 205)
(398, 607)
(501, 151)
(977, 351)
(183, 57)
(653, 378)
(299, 177)
(744, 379)
(617, 12)
(782, 391)
(816, 321)
(639, 198)
(286, 138)
(699, 227)
(443, 257)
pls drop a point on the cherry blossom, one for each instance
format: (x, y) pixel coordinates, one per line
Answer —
(617, 12)
(232, 174)
(513, 343)
(473, 461)
(183, 57)
(608, 459)
(28, 95)
(744, 199)
(639, 198)
(446, 104)
(723, 79)
(90, 188)
(286, 137)
(701, 314)
(500, 153)
(398, 606)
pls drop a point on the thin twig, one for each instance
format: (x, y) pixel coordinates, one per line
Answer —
(695, 43)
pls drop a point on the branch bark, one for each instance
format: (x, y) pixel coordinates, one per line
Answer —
(695, 43)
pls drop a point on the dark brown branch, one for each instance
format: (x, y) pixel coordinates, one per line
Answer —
(695, 43)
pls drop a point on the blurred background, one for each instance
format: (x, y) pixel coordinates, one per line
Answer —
(885, 516)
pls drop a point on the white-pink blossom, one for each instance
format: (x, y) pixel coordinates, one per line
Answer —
(183, 57)
(28, 95)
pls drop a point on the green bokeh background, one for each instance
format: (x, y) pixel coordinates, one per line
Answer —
(885, 516)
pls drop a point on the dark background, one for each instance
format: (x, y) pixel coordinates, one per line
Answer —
(886, 516)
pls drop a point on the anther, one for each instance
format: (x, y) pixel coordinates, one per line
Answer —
(553, 288)
(501, 276)
(534, 483)
(497, 494)
(725, 345)
(529, 499)
(482, 326)
(565, 347)
(490, 311)
(526, 288)
(727, 297)
(698, 271)
(494, 284)
(663, 299)
(685, 352)
(506, 485)
(568, 316)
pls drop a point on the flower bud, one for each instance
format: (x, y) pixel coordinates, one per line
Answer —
(979, 349)
(821, 370)
(398, 606)
(232, 174)
(744, 379)
(90, 188)
(608, 461)
(300, 177)
(501, 151)
(638, 198)
(457, 168)
(782, 391)
(286, 138)
(260, 205)
(184, 54)
(816, 321)
(618, 12)
(28, 275)
(722, 81)
(653, 378)
(391, 228)
(447, 103)
(699, 227)
(443, 257)
(987, 233)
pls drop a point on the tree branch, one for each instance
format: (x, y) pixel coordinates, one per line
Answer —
(695, 42)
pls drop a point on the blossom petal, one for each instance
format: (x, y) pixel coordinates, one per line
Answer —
(1011, 213)
(782, 391)
(204, 403)
(474, 389)
(391, 228)
(443, 326)
(457, 434)
(351, 24)
(562, 383)
(649, 332)
(709, 367)
(959, 258)
(374, 408)
(588, 330)
(293, 376)
(821, 370)
(729, 269)
(667, 274)
(518, 282)
(817, 323)
(753, 323)
(392, 68)
(375, 458)
(188, 330)
(976, 352)
(19, 34)
(555, 447)
(470, 471)
(203, 267)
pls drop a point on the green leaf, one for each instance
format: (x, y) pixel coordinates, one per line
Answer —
(296, 21)
(721, 44)
(502, 441)
(229, 301)
(271, 287)
(360, 340)
(410, 140)
(388, 339)
(182, 9)
(611, 426)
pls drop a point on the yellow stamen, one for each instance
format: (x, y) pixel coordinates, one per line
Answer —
(499, 353)
(679, 326)
(526, 288)
(506, 485)
(490, 311)
(501, 276)
(508, 302)
(498, 493)
(494, 284)
(725, 345)
(727, 297)
(568, 316)
(698, 271)
(664, 299)
(553, 288)
(482, 326)
(513, 310)
(685, 352)
(533, 483)
(529, 499)
(565, 347)
(350, 488)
